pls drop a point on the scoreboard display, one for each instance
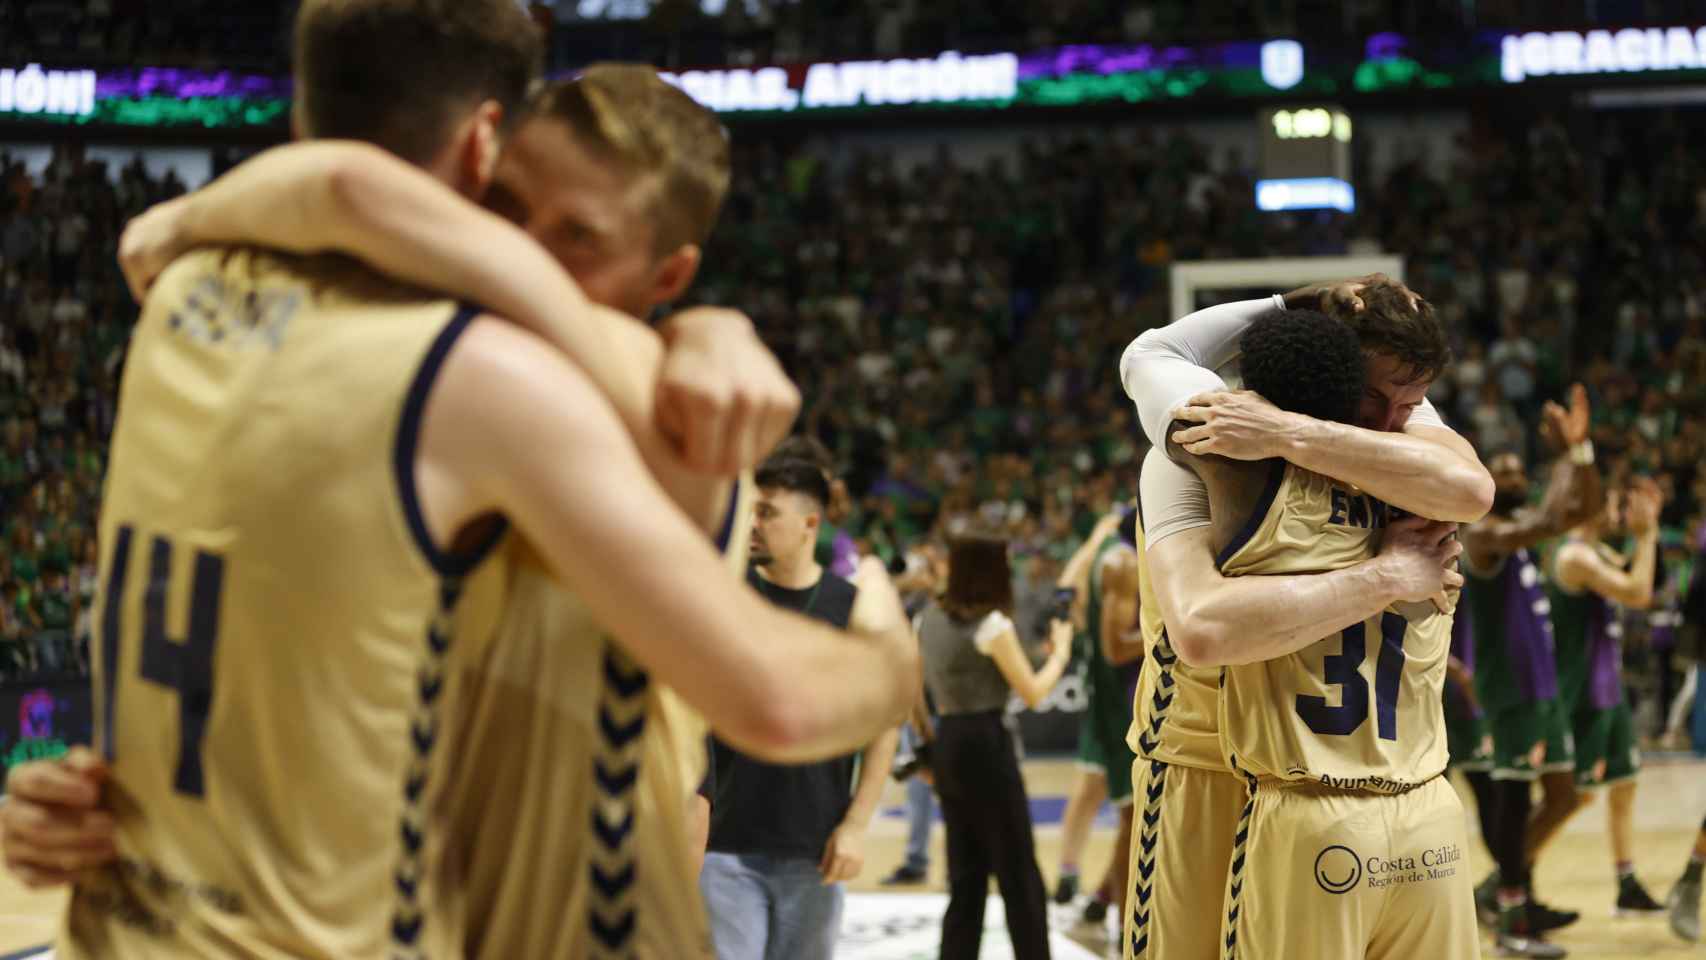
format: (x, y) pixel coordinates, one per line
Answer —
(1305, 159)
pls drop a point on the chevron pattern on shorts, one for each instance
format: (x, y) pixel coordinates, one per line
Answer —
(1148, 837)
(622, 704)
(1235, 879)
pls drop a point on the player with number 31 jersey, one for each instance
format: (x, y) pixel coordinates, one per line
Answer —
(1352, 841)
(1361, 703)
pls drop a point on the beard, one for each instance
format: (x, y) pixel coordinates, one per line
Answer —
(760, 555)
(1507, 502)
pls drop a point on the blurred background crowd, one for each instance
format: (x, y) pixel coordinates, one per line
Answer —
(956, 318)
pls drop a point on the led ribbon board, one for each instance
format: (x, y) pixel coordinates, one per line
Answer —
(1058, 77)
(146, 97)
(1564, 53)
(1061, 76)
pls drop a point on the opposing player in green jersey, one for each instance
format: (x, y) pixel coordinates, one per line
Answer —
(1588, 581)
(1113, 658)
(1516, 673)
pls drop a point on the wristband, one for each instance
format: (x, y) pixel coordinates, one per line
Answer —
(1582, 454)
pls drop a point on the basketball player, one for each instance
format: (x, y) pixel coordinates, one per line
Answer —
(1468, 743)
(1684, 899)
(1112, 609)
(1091, 787)
(525, 858)
(1516, 674)
(496, 398)
(1183, 782)
(1587, 578)
(1342, 750)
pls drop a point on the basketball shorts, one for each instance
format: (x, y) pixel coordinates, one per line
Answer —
(1320, 872)
(1181, 847)
(1607, 735)
(1517, 729)
(1467, 738)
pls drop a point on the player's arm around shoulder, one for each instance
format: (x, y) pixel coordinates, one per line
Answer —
(710, 383)
(512, 427)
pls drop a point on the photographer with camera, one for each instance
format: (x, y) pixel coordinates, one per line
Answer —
(973, 663)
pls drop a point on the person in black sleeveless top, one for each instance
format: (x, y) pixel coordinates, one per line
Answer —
(783, 838)
(973, 664)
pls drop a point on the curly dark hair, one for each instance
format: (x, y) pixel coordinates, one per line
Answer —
(1306, 362)
(1388, 324)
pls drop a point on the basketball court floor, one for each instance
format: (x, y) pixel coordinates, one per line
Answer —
(904, 923)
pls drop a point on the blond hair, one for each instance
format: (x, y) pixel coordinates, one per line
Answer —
(627, 112)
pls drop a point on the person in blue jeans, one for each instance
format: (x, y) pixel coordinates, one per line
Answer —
(920, 816)
(783, 838)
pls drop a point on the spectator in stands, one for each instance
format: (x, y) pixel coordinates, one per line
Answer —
(58, 613)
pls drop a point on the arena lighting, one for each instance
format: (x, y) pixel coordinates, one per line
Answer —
(1050, 78)
(1306, 193)
(1631, 50)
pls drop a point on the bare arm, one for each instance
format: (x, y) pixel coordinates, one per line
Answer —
(1214, 620)
(874, 766)
(1429, 471)
(1032, 686)
(844, 854)
(357, 199)
(777, 685)
(1076, 573)
(1122, 641)
(1572, 497)
(1075, 576)
(1580, 566)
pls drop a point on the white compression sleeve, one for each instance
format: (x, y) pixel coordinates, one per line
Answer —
(1166, 366)
(1174, 498)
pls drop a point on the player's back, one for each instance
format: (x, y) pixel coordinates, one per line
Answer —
(573, 772)
(1360, 709)
(271, 618)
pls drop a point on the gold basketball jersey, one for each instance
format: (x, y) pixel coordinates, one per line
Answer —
(1176, 711)
(272, 620)
(574, 773)
(1357, 710)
